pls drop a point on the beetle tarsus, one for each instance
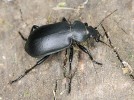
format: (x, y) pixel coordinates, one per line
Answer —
(70, 79)
(69, 85)
(11, 82)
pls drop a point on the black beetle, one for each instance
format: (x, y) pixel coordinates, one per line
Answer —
(52, 38)
(46, 40)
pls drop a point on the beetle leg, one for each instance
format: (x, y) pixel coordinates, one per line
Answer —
(25, 39)
(69, 85)
(64, 64)
(70, 68)
(64, 19)
(86, 24)
(28, 70)
(87, 52)
(33, 28)
(70, 79)
(70, 58)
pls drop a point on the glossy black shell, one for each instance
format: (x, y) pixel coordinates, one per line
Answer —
(52, 38)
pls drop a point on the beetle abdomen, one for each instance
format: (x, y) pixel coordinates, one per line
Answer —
(48, 42)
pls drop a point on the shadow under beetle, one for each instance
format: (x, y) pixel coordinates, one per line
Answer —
(46, 40)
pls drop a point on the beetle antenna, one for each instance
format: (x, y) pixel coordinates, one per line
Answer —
(111, 46)
(105, 18)
(117, 54)
(120, 27)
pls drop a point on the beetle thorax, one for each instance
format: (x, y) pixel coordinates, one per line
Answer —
(80, 36)
(79, 31)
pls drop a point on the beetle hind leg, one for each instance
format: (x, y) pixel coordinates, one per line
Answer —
(28, 70)
(25, 39)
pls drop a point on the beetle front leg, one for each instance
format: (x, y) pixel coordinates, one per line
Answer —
(28, 70)
(33, 28)
(87, 52)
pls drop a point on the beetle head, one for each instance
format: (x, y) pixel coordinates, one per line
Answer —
(93, 33)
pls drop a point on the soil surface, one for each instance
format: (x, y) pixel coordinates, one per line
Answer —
(91, 81)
